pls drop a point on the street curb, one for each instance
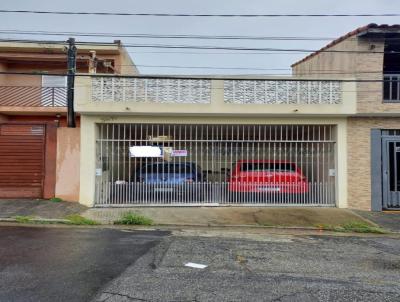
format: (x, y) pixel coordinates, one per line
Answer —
(65, 222)
(37, 220)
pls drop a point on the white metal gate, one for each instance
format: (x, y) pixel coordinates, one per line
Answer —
(391, 169)
(176, 164)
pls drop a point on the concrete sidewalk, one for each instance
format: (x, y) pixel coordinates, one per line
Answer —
(389, 220)
(39, 208)
(191, 216)
(232, 216)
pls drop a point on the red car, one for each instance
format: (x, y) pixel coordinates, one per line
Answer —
(261, 176)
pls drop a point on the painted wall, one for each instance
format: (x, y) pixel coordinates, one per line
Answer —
(366, 66)
(359, 157)
(67, 168)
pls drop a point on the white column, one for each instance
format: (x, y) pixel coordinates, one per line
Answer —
(341, 165)
(88, 161)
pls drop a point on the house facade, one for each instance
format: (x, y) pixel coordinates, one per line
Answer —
(327, 136)
(371, 54)
(39, 155)
(169, 141)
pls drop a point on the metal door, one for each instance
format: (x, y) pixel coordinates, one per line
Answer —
(21, 160)
(391, 172)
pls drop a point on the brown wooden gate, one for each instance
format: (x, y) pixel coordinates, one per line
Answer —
(22, 157)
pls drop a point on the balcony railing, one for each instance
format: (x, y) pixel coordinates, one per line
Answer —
(24, 96)
(391, 88)
(200, 91)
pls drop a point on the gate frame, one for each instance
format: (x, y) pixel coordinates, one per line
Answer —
(378, 144)
(385, 169)
(89, 132)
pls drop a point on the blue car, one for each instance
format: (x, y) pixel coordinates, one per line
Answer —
(169, 173)
(178, 182)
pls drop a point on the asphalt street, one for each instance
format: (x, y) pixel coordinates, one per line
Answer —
(271, 268)
(40, 264)
(110, 265)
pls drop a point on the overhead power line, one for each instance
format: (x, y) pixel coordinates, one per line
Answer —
(140, 14)
(163, 36)
(309, 72)
(210, 47)
(172, 36)
(182, 77)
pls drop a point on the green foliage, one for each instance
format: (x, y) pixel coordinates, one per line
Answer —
(23, 219)
(76, 219)
(56, 199)
(132, 218)
(353, 226)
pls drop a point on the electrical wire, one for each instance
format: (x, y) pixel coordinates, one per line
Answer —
(182, 77)
(210, 47)
(163, 36)
(174, 36)
(49, 12)
(309, 72)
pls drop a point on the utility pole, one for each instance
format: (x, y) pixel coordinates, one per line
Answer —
(71, 82)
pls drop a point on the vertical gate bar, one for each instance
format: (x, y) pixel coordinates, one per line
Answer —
(136, 181)
(257, 145)
(264, 131)
(107, 158)
(317, 172)
(324, 200)
(279, 156)
(101, 188)
(231, 165)
(112, 164)
(212, 159)
(395, 165)
(188, 185)
(244, 146)
(300, 199)
(131, 170)
(198, 164)
(118, 187)
(310, 159)
(275, 156)
(308, 154)
(226, 165)
(124, 166)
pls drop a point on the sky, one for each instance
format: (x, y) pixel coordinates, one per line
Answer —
(158, 61)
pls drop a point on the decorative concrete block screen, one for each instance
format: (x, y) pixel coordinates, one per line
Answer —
(107, 89)
(282, 92)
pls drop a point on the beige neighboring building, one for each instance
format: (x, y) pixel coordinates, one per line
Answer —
(371, 54)
(39, 155)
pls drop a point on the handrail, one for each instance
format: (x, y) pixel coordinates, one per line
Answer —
(33, 96)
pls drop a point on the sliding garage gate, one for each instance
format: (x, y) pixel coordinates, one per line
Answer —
(161, 164)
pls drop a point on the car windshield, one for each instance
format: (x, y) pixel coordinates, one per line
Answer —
(270, 167)
(167, 168)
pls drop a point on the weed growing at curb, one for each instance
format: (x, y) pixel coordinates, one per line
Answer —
(56, 199)
(23, 219)
(353, 226)
(76, 219)
(134, 219)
